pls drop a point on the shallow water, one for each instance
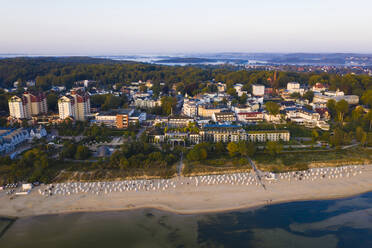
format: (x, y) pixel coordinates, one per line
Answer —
(332, 223)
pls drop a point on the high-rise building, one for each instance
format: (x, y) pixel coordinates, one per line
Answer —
(66, 107)
(16, 108)
(27, 106)
(76, 105)
(34, 104)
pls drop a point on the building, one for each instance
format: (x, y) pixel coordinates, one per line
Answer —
(16, 109)
(238, 88)
(27, 106)
(294, 87)
(146, 102)
(136, 118)
(207, 110)
(319, 87)
(38, 132)
(190, 108)
(258, 90)
(264, 136)
(34, 104)
(222, 133)
(221, 87)
(75, 105)
(337, 96)
(119, 118)
(11, 138)
(249, 117)
(222, 117)
(306, 117)
(66, 107)
(179, 121)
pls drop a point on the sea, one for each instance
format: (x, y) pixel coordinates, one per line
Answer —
(341, 223)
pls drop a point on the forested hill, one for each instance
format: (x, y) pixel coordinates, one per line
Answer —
(54, 71)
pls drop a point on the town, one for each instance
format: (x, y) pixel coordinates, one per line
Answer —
(162, 128)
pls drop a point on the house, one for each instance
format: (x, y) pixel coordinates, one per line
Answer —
(319, 87)
(11, 138)
(38, 132)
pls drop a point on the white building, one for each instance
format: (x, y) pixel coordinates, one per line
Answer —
(334, 95)
(27, 106)
(16, 107)
(238, 88)
(66, 107)
(190, 108)
(264, 136)
(76, 105)
(143, 102)
(258, 90)
(38, 132)
(294, 87)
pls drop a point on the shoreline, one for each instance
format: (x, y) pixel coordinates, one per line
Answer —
(188, 200)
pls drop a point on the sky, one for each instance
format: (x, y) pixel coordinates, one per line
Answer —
(120, 27)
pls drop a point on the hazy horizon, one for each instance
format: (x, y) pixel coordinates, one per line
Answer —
(114, 27)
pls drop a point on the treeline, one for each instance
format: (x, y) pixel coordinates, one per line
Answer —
(141, 155)
(188, 79)
(33, 166)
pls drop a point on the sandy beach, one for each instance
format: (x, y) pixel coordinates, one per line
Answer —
(188, 198)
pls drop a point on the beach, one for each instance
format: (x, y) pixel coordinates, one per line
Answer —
(197, 194)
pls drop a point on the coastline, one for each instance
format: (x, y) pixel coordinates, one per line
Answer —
(190, 200)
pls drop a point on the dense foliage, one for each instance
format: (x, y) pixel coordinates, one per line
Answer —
(66, 71)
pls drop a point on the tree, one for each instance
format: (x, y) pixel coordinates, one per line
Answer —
(331, 106)
(232, 92)
(337, 139)
(359, 133)
(273, 108)
(168, 104)
(243, 99)
(314, 135)
(197, 154)
(369, 118)
(246, 148)
(367, 98)
(273, 148)
(219, 148)
(357, 113)
(52, 102)
(82, 152)
(342, 108)
(309, 95)
(296, 95)
(233, 149)
(143, 88)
